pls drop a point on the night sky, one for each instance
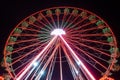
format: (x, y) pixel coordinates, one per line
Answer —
(13, 11)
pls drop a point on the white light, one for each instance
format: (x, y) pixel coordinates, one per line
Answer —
(35, 64)
(77, 59)
(58, 32)
(76, 72)
(41, 72)
(78, 62)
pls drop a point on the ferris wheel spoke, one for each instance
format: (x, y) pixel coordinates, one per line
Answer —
(91, 35)
(86, 24)
(19, 67)
(104, 67)
(23, 56)
(29, 73)
(44, 24)
(63, 20)
(77, 59)
(46, 64)
(25, 34)
(49, 74)
(22, 65)
(30, 29)
(71, 63)
(40, 27)
(23, 41)
(100, 42)
(70, 22)
(73, 21)
(94, 55)
(98, 34)
(89, 29)
(83, 30)
(73, 68)
(35, 72)
(76, 73)
(46, 20)
(31, 63)
(30, 45)
(31, 51)
(40, 61)
(35, 25)
(47, 25)
(44, 33)
(31, 35)
(91, 57)
(25, 47)
(92, 48)
(53, 21)
(67, 20)
(20, 72)
(58, 20)
(61, 72)
(92, 41)
(79, 27)
(77, 23)
(77, 16)
(93, 65)
(72, 71)
(52, 68)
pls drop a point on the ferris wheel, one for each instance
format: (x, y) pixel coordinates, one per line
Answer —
(61, 43)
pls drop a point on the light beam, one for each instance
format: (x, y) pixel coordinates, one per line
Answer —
(58, 32)
(35, 64)
(77, 59)
(35, 59)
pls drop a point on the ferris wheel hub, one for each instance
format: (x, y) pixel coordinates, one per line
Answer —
(58, 32)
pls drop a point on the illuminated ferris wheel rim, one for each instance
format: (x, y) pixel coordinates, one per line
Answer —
(61, 31)
(63, 7)
(67, 7)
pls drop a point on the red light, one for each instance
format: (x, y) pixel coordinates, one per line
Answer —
(1, 78)
(106, 78)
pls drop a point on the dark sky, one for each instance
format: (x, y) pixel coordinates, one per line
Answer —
(13, 11)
